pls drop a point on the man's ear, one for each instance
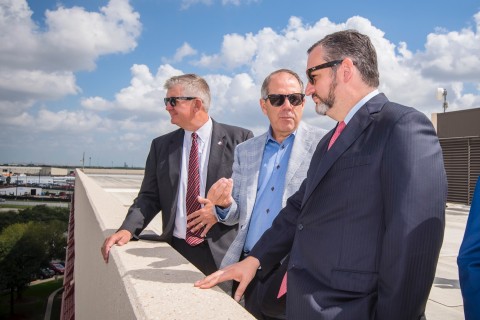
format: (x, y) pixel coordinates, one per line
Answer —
(348, 69)
(263, 105)
(198, 105)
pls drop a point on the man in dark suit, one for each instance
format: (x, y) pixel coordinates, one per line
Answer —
(166, 184)
(365, 228)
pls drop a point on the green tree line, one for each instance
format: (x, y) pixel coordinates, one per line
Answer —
(29, 240)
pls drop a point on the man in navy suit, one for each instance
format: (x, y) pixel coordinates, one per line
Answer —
(164, 186)
(365, 228)
(469, 260)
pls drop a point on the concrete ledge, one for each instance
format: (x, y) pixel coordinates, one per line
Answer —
(143, 279)
(113, 171)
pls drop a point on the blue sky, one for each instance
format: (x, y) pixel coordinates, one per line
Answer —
(87, 76)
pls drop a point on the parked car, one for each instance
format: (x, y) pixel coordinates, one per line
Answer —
(45, 273)
(57, 267)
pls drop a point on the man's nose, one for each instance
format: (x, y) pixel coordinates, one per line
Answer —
(310, 89)
(287, 104)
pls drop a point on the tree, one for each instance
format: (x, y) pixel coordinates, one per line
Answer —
(8, 179)
(44, 213)
(39, 213)
(56, 240)
(28, 241)
(8, 218)
(22, 253)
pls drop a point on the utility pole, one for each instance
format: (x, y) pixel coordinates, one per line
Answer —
(442, 95)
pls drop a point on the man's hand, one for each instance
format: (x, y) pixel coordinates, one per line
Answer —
(119, 238)
(242, 272)
(203, 218)
(220, 194)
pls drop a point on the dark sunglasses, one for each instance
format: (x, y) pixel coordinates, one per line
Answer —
(277, 100)
(173, 100)
(321, 66)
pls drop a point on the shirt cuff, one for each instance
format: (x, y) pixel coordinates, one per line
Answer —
(222, 213)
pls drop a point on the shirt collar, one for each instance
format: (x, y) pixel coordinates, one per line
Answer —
(270, 136)
(359, 104)
(203, 132)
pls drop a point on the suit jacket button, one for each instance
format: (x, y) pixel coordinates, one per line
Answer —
(300, 226)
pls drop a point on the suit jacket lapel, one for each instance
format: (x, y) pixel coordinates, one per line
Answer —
(256, 153)
(175, 160)
(217, 149)
(300, 149)
(360, 121)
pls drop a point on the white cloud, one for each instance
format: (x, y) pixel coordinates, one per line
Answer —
(235, 97)
(18, 84)
(96, 104)
(66, 121)
(145, 93)
(235, 73)
(184, 51)
(406, 77)
(237, 2)
(452, 55)
(39, 64)
(188, 3)
(236, 51)
(76, 38)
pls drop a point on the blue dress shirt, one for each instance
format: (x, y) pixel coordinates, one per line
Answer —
(271, 182)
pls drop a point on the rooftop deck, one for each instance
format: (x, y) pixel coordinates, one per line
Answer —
(150, 280)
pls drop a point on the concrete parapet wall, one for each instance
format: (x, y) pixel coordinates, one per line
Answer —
(113, 171)
(143, 279)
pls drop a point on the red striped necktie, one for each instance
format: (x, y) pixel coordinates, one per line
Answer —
(193, 191)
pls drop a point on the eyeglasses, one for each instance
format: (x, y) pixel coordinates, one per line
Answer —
(277, 100)
(173, 100)
(321, 66)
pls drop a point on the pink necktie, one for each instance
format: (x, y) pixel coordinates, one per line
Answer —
(283, 287)
(193, 191)
(341, 125)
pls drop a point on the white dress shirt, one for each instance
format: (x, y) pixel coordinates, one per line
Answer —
(204, 138)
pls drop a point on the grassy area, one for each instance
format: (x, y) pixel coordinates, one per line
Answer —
(15, 206)
(34, 302)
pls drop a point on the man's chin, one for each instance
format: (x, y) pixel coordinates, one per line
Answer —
(321, 108)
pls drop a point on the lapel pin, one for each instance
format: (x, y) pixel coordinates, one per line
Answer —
(220, 143)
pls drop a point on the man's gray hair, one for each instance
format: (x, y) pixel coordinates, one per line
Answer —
(193, 86)
(356, 46)
(264, 91)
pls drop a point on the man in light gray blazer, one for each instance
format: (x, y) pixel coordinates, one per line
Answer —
(267, 170)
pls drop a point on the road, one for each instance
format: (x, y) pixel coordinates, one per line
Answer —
(35, 203)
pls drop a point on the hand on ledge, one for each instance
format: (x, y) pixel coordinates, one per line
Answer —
(119, 238)
(242, 272)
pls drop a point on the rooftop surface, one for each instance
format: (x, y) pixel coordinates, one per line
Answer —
(445, 301)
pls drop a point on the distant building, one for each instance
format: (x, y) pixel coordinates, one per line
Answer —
(459, 134)
(33, 170)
